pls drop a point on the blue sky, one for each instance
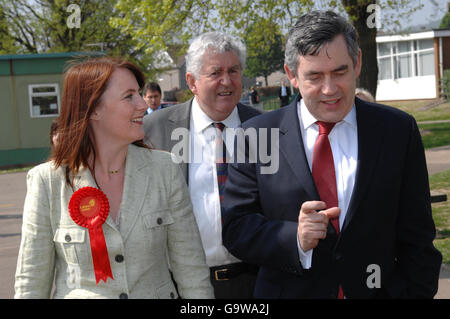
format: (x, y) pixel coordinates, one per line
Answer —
(432, 10)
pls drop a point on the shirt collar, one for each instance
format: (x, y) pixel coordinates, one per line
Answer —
(150, 110)
(307, 119)
(202, 121)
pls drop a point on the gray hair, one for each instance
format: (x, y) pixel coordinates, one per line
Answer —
(312, 31)
(216, 42)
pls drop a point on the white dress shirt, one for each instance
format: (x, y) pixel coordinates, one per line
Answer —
(203, 185)
(344, 145)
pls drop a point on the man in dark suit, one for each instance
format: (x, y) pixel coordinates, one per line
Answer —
(214, 64)
(284, 94)
(347, 214)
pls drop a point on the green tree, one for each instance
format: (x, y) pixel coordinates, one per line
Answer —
(7, 42)
(265, 53)
(159, 26)
(44, 26)
(445, 22)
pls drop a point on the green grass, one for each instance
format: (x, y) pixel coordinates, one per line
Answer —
(420, 113)
(15, 170)
(434, 135)
(440, 182)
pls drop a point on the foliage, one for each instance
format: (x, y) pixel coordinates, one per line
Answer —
(265, 53)
(42, 26)
(445, 22)
(143, 30)
(7, 42)
(446, 84)
(183, 95)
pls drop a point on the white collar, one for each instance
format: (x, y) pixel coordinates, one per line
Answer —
(307, 119)
(202, 120)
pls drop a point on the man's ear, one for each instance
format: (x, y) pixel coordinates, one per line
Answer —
(291, 76)
(358, 64)
(190, 80)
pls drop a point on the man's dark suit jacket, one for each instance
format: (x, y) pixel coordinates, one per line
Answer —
(388, 222)
(158, 126)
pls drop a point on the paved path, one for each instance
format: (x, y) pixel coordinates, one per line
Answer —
(12, 195)
(438, 159)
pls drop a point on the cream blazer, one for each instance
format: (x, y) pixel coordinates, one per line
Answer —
(157, 228)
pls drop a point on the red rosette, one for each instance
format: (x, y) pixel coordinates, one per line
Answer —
(89, 208)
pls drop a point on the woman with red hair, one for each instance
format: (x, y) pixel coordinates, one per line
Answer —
(107, 215)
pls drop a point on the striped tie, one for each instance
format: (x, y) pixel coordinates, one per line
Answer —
(221, 159)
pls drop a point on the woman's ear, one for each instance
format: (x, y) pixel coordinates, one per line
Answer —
(95, 115)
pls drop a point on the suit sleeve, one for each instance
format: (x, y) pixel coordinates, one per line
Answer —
(419, 261)
(247, 232)
(36, 260)
(186, 254)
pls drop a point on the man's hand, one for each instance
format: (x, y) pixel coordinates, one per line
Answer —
(313, 222)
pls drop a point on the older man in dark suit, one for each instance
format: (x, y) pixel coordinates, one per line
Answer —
(197, 131)
(347, 214)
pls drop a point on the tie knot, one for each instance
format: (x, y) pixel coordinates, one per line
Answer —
(324, 127)
(219, 125)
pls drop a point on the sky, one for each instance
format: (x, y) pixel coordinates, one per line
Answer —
(433, 10)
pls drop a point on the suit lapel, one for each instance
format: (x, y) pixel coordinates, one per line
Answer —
(134, 191)
(293, 151)
(370, 140)
(180, 119)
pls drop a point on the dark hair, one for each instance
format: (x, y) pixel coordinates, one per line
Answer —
(53, 130)
(84, 84)
(313, 30)
(151, 86)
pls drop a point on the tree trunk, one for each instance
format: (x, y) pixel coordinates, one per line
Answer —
(367, 42)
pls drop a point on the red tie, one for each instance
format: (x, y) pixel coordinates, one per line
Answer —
(324, 175)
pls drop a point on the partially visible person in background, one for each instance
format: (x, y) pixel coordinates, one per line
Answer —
(284, 94)
(254, 98)
(365, 95)
(135, 195)
(152, 96)
(54, 133)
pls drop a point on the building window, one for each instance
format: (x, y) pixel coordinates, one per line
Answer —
(405, 59)
(44, 100)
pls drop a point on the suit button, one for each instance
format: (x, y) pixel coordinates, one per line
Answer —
(123, 296)
(159, 221)
(119, 258)
(68, 238)
(172, 295)
(338, 257)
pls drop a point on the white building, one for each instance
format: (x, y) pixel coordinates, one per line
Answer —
(411, 66)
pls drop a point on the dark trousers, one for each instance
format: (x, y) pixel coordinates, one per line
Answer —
(284, 100)
(239, 285)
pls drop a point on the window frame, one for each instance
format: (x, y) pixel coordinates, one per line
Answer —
(394, 55)
(32, 94)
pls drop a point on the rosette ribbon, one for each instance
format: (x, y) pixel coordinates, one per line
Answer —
(89, 208)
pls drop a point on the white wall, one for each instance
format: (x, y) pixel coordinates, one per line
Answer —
(421, 87)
